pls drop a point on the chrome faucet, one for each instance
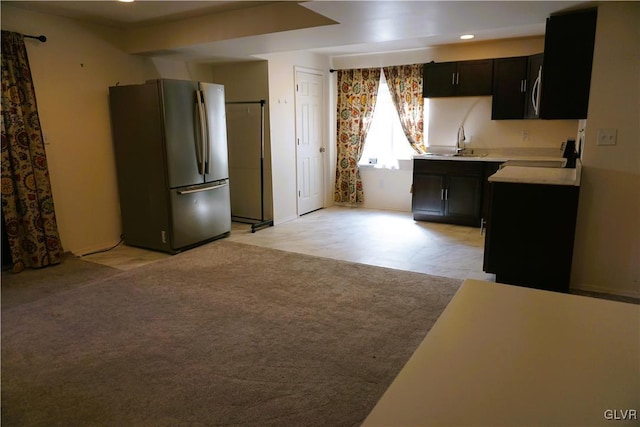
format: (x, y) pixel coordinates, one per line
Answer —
(461, 138)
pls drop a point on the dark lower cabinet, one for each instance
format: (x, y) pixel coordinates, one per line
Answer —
(530, 234)
(447, 191)
(489, 169)
(428, 195)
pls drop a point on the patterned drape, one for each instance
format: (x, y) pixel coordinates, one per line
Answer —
(27, 203)
(357, 93)
(405, 86)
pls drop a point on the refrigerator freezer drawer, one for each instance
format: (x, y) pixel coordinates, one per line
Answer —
(199, 214)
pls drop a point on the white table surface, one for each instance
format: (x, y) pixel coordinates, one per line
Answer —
(503, 355)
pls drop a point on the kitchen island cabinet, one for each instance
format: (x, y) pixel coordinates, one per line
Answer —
(447, 191)
(489, 169)
(531, 229)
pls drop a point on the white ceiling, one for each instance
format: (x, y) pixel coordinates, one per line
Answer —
(362, 26)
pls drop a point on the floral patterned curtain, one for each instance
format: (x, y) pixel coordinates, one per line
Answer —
(27, 203)
(405, 86)
(357, 93)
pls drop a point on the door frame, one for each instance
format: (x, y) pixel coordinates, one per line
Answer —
(322, 127)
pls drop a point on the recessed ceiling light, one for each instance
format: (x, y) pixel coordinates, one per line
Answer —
(467, 36)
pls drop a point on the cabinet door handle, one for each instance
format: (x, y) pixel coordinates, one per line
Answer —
(446, 194)
(524, 86)
(442, 194)
(457, 78)
(453, 78)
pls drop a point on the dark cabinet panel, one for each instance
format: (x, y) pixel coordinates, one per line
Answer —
(447, 191)
(516, 86)
(530, 234)
(439, 79)
(475, 78)
(462, 198)
(509, 88)
(463, 78)
(568, 57)
(428, 194)
(489, 169)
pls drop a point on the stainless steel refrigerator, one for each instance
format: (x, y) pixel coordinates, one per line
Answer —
(170, 141)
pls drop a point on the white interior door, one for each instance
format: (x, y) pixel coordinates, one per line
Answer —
(310, 148)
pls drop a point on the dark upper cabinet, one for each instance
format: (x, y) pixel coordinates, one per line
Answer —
(568, 56)
(474, 78)
(439, 79)
(463, 78)
(509, 88)
(516, 86)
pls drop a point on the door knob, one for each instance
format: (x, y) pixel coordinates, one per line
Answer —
(322, 149)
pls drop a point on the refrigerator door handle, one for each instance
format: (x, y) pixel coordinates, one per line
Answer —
(198, 190)
(204, 137)
(207, 141)
(535, 92)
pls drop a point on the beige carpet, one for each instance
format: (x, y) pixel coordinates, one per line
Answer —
(225, 334)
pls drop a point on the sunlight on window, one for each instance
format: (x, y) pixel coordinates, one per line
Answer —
(386, 142)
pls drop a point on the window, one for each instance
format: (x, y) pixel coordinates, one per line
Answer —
(386, 143)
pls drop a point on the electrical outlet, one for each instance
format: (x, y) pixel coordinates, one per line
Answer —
(607, 136)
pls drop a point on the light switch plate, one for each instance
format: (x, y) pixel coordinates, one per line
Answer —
(607, 136)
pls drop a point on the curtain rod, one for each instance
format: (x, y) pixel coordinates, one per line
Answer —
(42, 38)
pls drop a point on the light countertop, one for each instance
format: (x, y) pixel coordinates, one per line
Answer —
(491, 157)
(539, 175)
(499, 155)
(502, 355)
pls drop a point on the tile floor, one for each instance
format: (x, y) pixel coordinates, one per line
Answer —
(375, 237)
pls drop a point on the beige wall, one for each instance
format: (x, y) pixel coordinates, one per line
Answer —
(283, 128)
(607, 251)
(72, 72)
